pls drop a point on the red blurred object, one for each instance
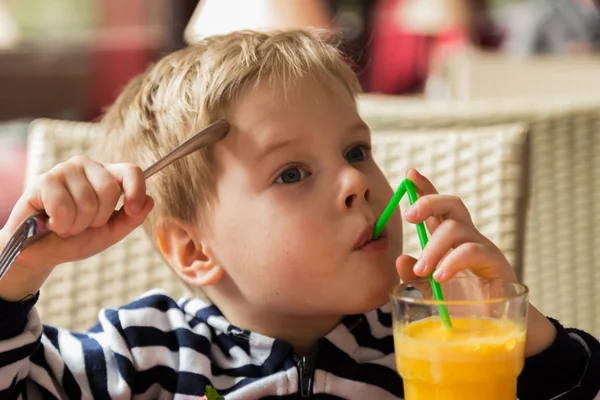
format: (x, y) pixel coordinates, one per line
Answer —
(124, 47)
(399, 60)
(12, 177)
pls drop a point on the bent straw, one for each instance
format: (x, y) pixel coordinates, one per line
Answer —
(408, 187)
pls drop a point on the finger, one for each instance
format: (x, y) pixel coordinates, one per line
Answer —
(84, 197)
(54, 198)
(449, 235)
(107, 189)
(424, 188)
(118, 227)
(404, 266)
(441, 207)
(132, 181)
(423, 185)
(92, 241)
(480, 258)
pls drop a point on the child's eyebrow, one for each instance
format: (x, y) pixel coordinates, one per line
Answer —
(273, 147)
(360, 126)
(278, 145)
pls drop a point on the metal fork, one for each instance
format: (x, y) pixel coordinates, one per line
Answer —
(35, 226)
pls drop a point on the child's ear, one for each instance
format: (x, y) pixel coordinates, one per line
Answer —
(187, 253)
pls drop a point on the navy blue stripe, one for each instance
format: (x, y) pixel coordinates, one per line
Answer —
(384, 318)
(337, 362)
(159, 302)
(205, 313)
(95, 366)
(228, 341)
(46, 395)
(51, 334)
(18, 354)
(146, 336)
(96, 328)
(126, 369)
(68, 380)
(39, 359)
(70, 385)
(13, 391)
(14, 316)
(363, 336)
(183, 338)
(167, 378)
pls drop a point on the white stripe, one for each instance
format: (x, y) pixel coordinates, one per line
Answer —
(73, 358)
(343, 339)
(388, 361)
(378, 330)
(53, 359)
(112, 342)
(236, 358)
(174, 319)
(152, 318)
(193, 305)
(279, 384)
(40, 376)
(7, 373)
(351, 390)
(185, 360)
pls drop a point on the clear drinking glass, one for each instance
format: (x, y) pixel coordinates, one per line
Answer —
(479, 357)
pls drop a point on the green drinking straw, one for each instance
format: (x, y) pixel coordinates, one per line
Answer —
(408, 187)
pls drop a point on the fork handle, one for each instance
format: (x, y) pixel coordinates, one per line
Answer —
(40, 228)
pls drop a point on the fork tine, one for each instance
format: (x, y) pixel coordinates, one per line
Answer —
(12, 250)
(7, 249)
(10, 257)
(9, 260)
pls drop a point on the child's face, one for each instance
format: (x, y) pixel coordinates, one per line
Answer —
(297, 193)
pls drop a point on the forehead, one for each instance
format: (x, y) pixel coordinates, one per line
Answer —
(302, 104)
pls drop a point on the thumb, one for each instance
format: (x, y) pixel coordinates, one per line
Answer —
(404, 266)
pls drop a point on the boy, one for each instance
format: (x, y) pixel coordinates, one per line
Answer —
(273, 225)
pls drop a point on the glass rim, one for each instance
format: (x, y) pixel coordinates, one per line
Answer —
(394, 293)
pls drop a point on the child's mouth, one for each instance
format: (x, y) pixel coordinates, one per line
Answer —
(365, 241)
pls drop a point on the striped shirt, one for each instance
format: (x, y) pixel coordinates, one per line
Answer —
(159, 348)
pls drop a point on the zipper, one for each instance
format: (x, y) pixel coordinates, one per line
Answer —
(306, 372)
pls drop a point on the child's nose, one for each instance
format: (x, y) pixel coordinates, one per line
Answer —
(351, 199)
(354, 189)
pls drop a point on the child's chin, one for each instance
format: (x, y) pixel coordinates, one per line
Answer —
(373, 301)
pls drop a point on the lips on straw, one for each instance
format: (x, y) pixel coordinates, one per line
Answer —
(408, 187)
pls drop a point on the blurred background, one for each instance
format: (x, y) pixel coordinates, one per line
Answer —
(68, 59)
(498, 101)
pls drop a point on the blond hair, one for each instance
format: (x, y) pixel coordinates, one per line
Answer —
(191, 88)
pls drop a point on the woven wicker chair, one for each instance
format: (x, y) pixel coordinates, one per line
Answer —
(562, 239)
(75, 292)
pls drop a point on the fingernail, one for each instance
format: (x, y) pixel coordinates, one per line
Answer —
(412, 212)
(439, 274)
(415, 171)
(419, 267)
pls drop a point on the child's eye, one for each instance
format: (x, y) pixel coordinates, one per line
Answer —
(291, 175)
(357, 154)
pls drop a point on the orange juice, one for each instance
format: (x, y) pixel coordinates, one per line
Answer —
(475, 359)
